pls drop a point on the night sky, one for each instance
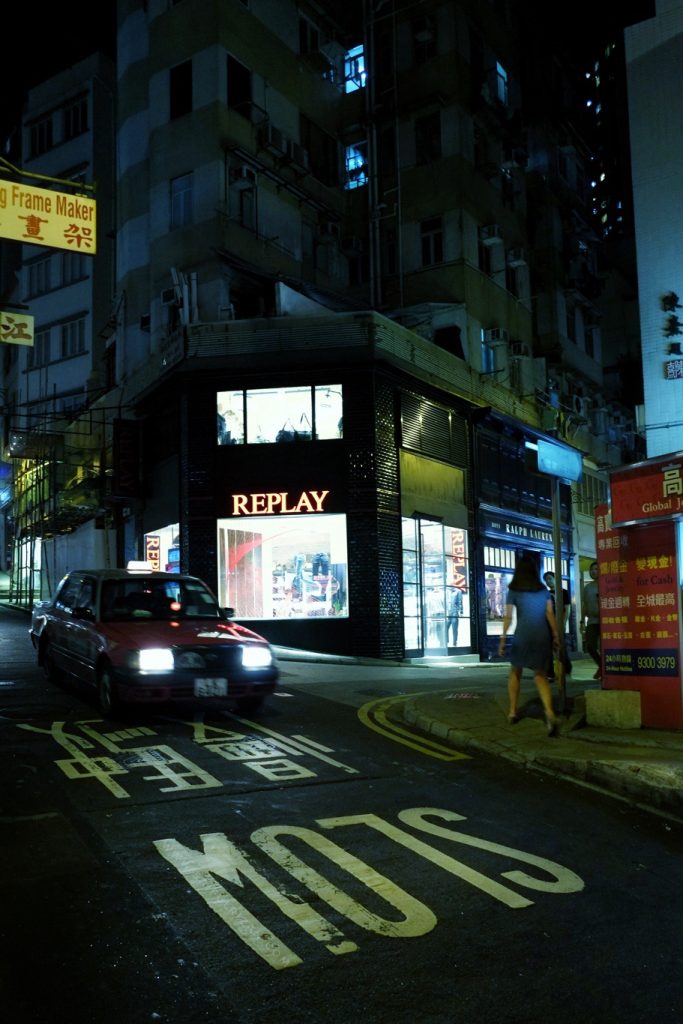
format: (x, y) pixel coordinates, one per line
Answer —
(38, 42)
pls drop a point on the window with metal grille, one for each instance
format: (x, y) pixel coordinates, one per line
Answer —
(75, 118)
(39, 277)
(181, 200)
(73, 338)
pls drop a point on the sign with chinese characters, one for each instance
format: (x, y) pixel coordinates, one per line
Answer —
(45, 217)
(673, 327)
(648, 491)
(639, 615)
(16, 328)
(673, 369)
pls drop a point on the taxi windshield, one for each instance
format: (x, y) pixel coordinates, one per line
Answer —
(148, 599)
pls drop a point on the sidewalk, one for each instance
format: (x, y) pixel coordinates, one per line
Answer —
(642, 766)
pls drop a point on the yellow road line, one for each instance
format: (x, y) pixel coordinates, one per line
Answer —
(374, 716)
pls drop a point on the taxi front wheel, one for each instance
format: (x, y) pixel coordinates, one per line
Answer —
(107, 696)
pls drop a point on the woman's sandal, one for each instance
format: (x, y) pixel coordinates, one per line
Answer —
(551, 725)
(513, 719)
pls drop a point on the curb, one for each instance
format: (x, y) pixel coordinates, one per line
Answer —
(657, 788)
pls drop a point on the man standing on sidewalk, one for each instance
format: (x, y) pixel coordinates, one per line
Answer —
(591, 617)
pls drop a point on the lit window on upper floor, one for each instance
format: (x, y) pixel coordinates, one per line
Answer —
(356, 163)
(354, 69)
(279, 415)
(502, 84)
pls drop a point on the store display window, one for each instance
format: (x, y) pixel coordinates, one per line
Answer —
(436, 595)
(289, 567)
(162, 548)
(279, 415)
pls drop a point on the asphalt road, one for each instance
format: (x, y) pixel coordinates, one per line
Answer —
(306, 866)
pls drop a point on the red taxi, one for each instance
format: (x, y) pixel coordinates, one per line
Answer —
(139, 636)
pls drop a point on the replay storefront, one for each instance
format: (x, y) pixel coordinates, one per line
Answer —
(282, 555)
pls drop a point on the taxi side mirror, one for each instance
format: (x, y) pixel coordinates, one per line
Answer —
(229, 613)
(85, 614)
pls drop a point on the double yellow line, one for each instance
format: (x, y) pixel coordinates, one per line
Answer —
(374, 715)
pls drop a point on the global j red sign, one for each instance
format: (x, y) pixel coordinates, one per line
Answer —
(648, 491)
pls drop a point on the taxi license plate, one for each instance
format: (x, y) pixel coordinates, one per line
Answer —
(211, 687)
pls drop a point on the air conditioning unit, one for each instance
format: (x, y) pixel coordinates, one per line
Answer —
(581, 406)
(520, 348)
(516, 258)
(523, 376)
(243, 177)
(273, 140)
(352, 245)
(169, 297)
(496, 336)
(297, 154)
(598, 419)
(490, 234)
(329, 230)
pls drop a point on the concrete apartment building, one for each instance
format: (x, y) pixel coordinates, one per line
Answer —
(653, 52)
(355, 285)
(54, 440)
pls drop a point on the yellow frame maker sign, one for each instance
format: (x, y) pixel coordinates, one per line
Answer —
(44, 217)
(16, 328)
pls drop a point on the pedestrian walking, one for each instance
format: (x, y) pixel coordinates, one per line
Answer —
(591, 618)
(532, 642)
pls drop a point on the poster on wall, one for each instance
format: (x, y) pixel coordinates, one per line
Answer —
(275, 566)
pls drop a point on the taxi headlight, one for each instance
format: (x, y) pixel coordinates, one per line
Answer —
(155, 659)
(256, 657)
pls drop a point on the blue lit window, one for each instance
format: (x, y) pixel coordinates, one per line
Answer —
(354, 69)
(501, 83)
(356, 166)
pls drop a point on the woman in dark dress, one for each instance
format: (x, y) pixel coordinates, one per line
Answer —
(532, 642)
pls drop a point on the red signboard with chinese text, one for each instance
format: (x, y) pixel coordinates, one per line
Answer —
(639, 615)
(647, 491)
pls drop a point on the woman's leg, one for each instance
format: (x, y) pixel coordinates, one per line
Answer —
(513, 689)
(546, 694)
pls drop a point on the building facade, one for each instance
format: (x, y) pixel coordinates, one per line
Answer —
(354, 286)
